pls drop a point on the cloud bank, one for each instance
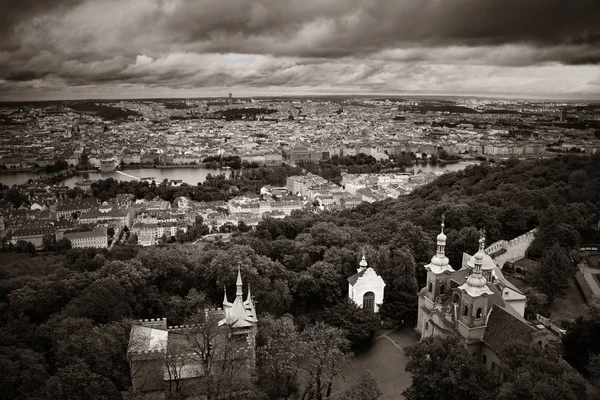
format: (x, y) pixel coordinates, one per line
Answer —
(147, 48)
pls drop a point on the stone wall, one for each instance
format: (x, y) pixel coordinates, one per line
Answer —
(511, 250)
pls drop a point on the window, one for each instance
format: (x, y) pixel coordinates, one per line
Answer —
(466, 311)
(369, 301)
(484, 359)
(493, 366)
(478, 315)
(541, 343)
(456, 298)
(426, 326)
(442, 289)
(429, 287)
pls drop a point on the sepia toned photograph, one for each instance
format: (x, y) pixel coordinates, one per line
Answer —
(300, 199)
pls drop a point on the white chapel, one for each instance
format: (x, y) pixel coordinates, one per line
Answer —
(365, 287)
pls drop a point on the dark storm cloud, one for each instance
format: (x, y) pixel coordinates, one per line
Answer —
(13, 12)
(335, 28)
(349, 27)
(260, 43)
(23, 76)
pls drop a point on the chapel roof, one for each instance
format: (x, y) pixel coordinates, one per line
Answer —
(503, 327)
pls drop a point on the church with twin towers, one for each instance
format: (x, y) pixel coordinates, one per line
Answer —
(477, 303)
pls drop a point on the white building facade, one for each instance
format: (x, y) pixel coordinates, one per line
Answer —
(366, 287)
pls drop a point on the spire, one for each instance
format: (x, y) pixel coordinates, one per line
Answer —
(239, 292)
(225, 300)
(441, 240)
(439, 262)
(482, 239)
(363, 263)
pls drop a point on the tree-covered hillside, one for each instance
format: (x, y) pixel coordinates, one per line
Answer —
(64, 328)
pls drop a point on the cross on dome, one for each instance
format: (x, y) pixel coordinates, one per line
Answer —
(482, 239)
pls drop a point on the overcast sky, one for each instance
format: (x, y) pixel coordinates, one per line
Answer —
(69, 49)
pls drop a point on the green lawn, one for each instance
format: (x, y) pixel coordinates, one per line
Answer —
(569, 307)
(593, 260)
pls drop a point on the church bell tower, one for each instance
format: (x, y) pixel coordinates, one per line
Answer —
(474, 299)
(439, 274)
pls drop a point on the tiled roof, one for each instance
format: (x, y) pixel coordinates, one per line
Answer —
(460, 276)
(82, 204)
(503, 327)
(32, 231)
(114, 213)
(86, 234)
(355, 277)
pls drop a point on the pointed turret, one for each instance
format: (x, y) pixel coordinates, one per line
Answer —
(249, 296)
(239, 291)
(249, 304)
(238, 313)
(225, 299)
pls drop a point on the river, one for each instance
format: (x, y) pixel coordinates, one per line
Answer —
(190, 176)
(437, 168)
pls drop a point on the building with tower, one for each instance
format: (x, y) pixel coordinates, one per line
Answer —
(366, 287)
(183, 358)
(477, 303)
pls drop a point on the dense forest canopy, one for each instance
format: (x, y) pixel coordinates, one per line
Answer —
(64, 326)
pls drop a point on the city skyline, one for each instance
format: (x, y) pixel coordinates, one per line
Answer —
(72, 49)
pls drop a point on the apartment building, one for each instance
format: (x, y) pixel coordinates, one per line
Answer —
(97, 238)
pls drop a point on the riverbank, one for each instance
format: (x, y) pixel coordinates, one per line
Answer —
(162, 166)
(191, 175)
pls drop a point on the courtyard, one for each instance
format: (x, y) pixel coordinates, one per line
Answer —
(385, 360)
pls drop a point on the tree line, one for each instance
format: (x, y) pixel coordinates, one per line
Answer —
(64, 328)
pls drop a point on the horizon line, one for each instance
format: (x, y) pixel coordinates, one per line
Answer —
(315, 95)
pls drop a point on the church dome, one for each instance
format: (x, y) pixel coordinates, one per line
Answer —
(439, 260)
(441, 237)
(363, 262)
(487, 264)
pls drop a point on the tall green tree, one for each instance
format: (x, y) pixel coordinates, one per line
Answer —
(581, 342)
(554, 274)
(442, 369)
(359, 324)
(278, 357)
(400, 302)
(324, 354)
(365, 388)
(531, 372)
